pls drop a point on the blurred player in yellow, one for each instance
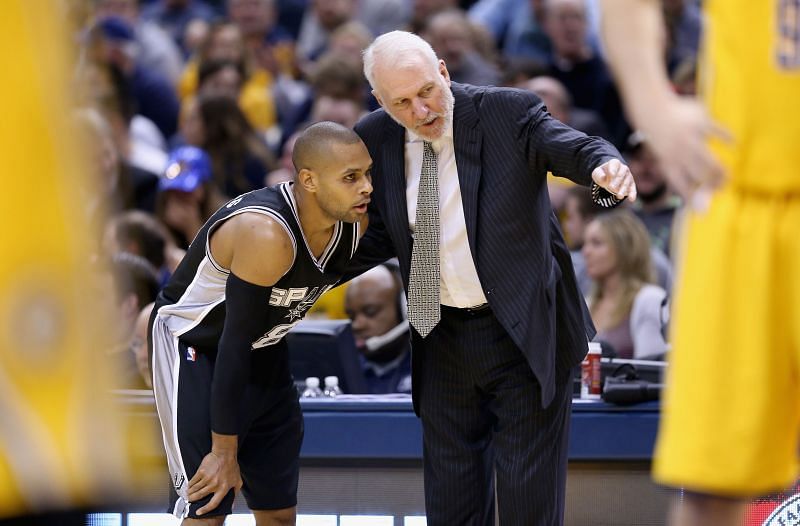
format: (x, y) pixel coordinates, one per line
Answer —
(60, 443)
(731, 416)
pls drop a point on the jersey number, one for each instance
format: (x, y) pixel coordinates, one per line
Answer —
(789, 34)
(274, 335)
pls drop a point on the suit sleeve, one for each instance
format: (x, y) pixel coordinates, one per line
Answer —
(563, 151)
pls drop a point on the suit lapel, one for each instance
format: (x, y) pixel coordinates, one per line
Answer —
(393, 167)
(467, 140)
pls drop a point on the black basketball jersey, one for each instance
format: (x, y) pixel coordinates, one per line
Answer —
(193, 302)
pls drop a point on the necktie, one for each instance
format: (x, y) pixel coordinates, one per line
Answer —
(423, 285)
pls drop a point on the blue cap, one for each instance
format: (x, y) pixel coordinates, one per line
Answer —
(188, 167)
(116, 28)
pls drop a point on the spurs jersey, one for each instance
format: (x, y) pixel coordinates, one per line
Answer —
(192, 305)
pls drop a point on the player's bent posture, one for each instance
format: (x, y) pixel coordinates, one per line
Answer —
(225, 397)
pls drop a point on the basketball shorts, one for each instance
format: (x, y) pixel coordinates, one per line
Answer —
(731, 413)
(270, 418)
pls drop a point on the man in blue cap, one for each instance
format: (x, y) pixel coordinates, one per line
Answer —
(185, 200)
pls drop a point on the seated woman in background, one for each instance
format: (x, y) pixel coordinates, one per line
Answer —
(625, 305)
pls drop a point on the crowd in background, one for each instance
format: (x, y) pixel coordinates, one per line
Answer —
(188, 103)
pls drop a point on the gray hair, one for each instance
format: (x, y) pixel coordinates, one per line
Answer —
(397, 49)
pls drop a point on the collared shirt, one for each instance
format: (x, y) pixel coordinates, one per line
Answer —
(460, 286)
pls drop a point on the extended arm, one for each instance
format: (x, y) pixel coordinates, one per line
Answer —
(258, 252)
(677, 128)
(574, 155)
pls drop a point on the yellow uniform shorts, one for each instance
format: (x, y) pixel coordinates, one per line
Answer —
(731, 414)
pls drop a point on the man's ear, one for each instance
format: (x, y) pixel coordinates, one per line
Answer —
(443, 71)
(307, 179)
(377, 97)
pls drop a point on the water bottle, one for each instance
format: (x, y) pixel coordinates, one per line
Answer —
(312, 388)
(331, 387)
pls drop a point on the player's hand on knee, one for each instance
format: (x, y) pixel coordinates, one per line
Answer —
(216, 475)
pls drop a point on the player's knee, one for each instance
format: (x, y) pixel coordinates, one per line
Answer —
(282, 517)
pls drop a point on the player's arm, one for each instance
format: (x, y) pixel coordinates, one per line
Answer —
(677, 128)
(258, 252)
(633, 36)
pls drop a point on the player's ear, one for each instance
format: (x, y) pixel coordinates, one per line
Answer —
(307, 179)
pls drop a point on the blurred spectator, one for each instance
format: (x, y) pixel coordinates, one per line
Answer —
(174, 17)
(285, 170)
(518, 70)
(342, 111)
(140, 233)
(193, 37)
(578, 65)
(225, 43)
(338, 92)
(290, 15)
(558, 101)
(579, 211)
(375, 303)
(423, 10)
(625, 305)
(138, 140)
(338, 76)
(339, 89)
(155, 50)
(269, 44)
(111, 42)
(190, 123)
(657, 204)
(220, 78)
(350, 40)
(516, 25)
(138, 345)
(684, 24)
(451, 35)
(239, 157)
(136, 285)
(119, 186)
(323, 17)
(187, 196)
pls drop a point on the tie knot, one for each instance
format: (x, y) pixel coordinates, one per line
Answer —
(428, 147)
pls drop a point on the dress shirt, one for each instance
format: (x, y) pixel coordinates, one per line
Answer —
(459, 283)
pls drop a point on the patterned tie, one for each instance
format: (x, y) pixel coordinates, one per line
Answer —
(423, 285)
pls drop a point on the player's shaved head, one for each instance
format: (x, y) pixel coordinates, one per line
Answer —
(313, 146)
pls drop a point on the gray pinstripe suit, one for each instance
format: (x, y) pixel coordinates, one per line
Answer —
(493, 388)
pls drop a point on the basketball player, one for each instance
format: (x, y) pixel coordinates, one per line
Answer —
(226, 400)
(731, 417)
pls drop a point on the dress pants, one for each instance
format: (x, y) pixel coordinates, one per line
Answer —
(482, 422)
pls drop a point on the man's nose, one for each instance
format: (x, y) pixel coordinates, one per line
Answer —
(357, 322)
(420, 109)
(366, 189)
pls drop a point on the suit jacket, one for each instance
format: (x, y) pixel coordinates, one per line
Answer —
(505, 143)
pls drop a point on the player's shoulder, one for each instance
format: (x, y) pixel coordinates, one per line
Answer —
(252, 227)
(262, 248)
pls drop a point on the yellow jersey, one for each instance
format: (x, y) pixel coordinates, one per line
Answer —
(750, 80)
(63, 442)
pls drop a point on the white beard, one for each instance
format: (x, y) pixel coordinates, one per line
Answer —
(447, 118)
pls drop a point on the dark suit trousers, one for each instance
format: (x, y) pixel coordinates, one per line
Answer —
(481, 415)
